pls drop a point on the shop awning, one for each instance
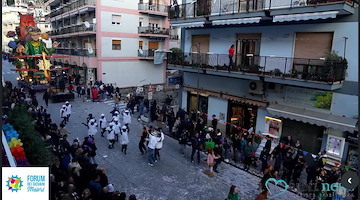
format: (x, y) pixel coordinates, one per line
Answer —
(189, 25)
(312, 117)
(237, 21)
(227, 96)
(305, 16)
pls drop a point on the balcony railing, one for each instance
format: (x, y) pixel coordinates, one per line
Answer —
(146, 53)
(216, 7)
(72, 6)
(153, 7)
(151, 30)
(76, 52)
(74, 29)
(281, 67)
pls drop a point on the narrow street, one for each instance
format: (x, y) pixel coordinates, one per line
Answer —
(173, 177)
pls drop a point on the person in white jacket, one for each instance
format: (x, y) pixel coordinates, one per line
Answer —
(68, 110)
(151, 148)
(103, 124)
(160, 139)
(63, 114)
(126, 119)
(124, 139)
(117, 129)
(115, 116)
(92, 128)
(111, 135)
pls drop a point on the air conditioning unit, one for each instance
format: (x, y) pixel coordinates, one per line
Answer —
(256, 87)
(275, 87)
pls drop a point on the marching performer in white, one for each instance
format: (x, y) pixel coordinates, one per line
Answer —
(63, 114)
(126, 119)
(124, 139)
(68, 110)
(103, 124)
(111, 135)
(117, 128)
(92, 128)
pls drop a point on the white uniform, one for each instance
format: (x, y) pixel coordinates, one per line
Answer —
(103, 123)
(111, 133)
(152, 141)
(159, 143)
(63, 112)
(68, 109)
(117, 128)
(124, 137)
(126, 118)
(92, 128)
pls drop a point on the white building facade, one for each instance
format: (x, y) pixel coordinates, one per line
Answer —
(112, 41)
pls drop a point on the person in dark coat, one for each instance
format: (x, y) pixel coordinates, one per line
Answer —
(46, 97)
(196, 147)
(288, 165)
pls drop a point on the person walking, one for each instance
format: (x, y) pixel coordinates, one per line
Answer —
(151, 148)
(231, 55)
(103, 124)
(126, 118)
(46, 97)
(210, 161)
(111, 135)
(182, 141)
(159, 144)
(248, 150)
(92, 128)
(196, 144)
(68, 110)
(124, 139)
(117, 129)
(233, 193)
(143, 138)
(63, 115)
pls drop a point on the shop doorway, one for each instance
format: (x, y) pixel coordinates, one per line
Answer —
(241, 115)
(310, 136)
(193, 103)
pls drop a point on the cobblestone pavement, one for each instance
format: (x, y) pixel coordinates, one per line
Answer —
(173, 177)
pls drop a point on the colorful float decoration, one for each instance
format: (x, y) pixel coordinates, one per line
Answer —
(32, 51)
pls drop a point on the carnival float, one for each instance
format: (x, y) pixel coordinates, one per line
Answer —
(32, 56)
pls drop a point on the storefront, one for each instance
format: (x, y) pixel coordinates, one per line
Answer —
(241, 115)
(352, 158)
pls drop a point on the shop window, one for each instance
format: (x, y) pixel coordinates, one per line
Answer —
(243, 116)
(193, 103)
(116, 45)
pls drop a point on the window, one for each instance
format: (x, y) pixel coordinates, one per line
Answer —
(140, 44)
(46, 26)
(116, 19)
(141, 21)
(116, 45)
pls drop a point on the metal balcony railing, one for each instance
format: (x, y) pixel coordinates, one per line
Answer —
(151, 30)
(69, 7)
(146, 53)
(76, 52)
(74, 29)
(282, 67)
(222, 7)
(153, 7)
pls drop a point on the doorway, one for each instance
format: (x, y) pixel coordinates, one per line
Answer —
(248, 49)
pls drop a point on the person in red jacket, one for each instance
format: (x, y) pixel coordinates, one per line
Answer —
(231, 55)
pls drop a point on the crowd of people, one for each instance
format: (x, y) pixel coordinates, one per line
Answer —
(74, 175)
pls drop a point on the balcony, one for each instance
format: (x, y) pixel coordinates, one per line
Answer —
(154, 32)
(237, 9)
(64, 8)
(153, 9)
(146, 54)
(74, 30)
(76, 52)
(312, 73)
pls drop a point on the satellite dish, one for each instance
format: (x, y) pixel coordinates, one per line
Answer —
(87, 24)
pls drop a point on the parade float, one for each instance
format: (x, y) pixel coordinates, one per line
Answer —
(32, 56)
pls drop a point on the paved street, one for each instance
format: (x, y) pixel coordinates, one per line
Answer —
(173, 177)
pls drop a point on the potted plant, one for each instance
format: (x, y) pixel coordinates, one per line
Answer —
(277, 72)
(335, 66)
